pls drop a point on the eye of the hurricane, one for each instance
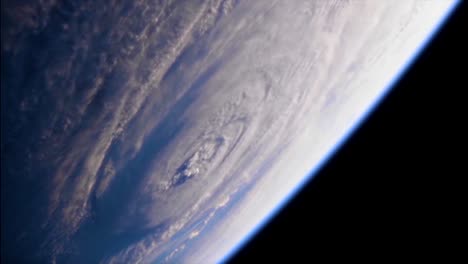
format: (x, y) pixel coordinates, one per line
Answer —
(185, 172)
(197, 163)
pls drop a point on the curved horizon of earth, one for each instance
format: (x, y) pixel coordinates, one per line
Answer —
(170, 131)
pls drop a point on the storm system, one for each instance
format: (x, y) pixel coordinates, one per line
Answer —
(166, 131)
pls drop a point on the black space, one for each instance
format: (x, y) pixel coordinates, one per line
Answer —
(392, 189)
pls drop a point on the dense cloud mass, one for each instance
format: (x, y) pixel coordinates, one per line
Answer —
(132, 128)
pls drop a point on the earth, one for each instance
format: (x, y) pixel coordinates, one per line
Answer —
(170, 131)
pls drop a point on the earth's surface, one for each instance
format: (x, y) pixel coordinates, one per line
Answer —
(170, 130)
